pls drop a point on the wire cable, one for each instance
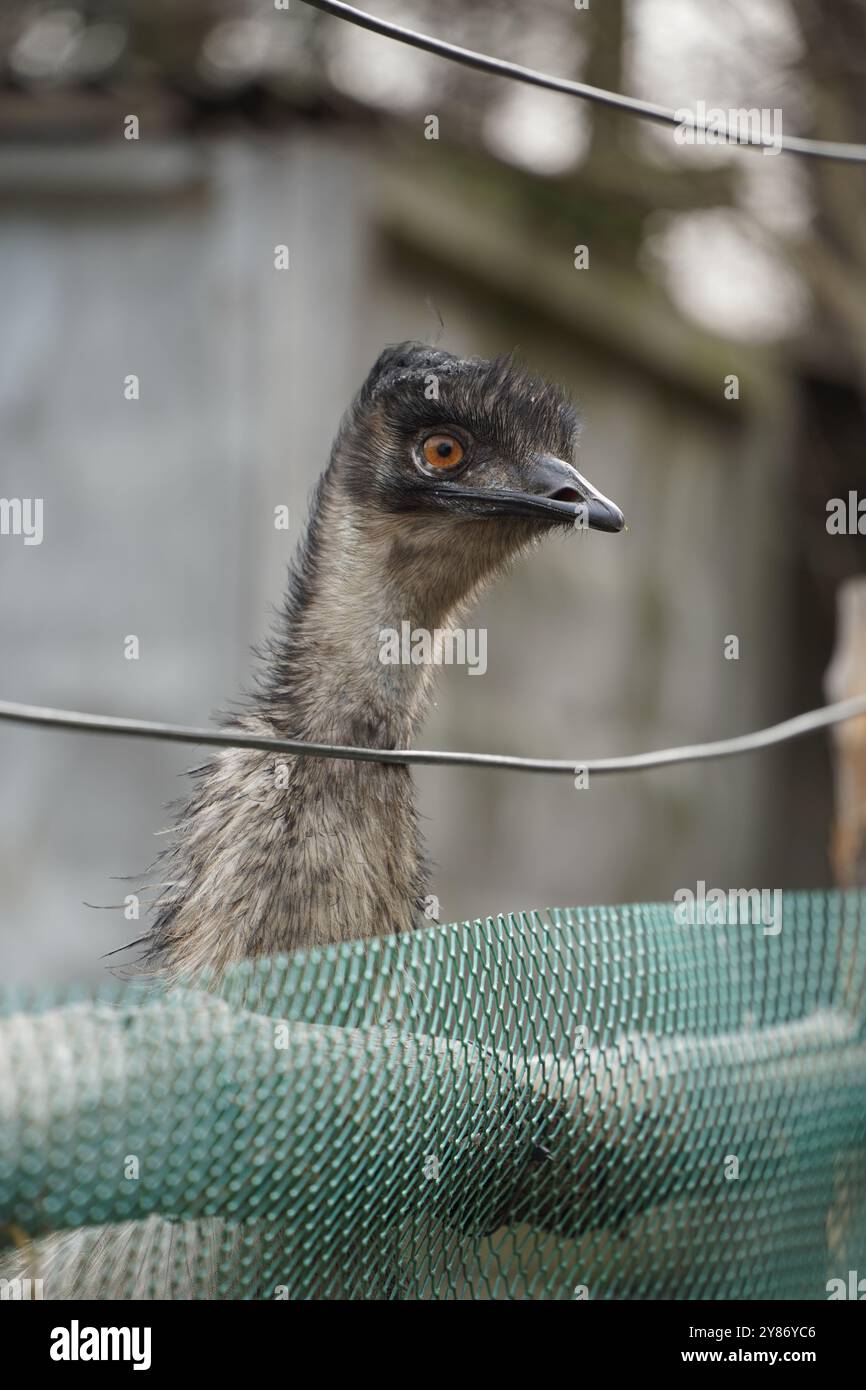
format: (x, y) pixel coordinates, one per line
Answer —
(798, 727)
(644, 110)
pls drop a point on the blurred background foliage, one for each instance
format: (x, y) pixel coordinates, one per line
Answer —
(260, 127)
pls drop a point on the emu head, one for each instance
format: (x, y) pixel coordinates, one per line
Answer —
(462, 462)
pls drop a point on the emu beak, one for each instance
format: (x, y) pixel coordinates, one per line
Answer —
(556, 491)
(558, 484)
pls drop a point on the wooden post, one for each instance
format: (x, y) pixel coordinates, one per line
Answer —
(846, 676)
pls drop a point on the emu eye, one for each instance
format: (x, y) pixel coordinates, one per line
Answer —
(442, 451)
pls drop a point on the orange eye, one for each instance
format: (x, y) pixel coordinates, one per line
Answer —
(442, 451)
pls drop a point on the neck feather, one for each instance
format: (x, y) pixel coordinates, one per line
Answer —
(273, 853)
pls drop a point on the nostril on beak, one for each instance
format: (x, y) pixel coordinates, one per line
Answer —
(564, 494)
(558, 481)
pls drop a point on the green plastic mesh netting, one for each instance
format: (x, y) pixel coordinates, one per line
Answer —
(576, 1103)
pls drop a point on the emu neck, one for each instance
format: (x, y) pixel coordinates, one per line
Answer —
(368, 577)
(275, 853)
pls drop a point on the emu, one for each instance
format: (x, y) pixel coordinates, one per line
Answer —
(443, 471)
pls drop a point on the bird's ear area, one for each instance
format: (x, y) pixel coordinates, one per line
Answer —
(373, 431)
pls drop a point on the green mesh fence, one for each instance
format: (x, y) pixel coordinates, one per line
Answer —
(589, 1103)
